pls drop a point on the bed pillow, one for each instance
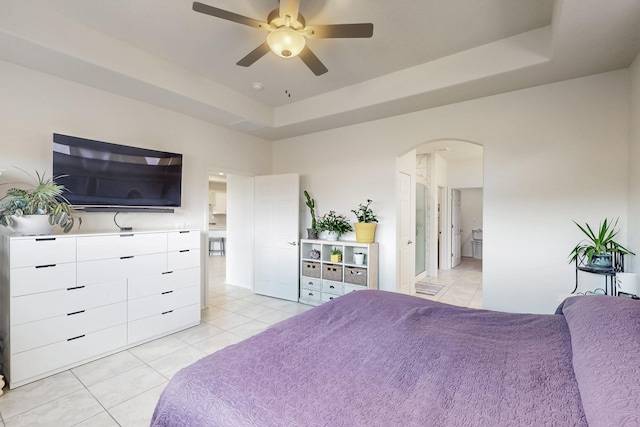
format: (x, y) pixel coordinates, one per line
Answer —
(605, 340)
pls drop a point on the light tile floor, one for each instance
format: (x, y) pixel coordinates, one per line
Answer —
(122, 389)
(463, 284)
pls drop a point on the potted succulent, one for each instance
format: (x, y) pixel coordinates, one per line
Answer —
(599, 246)
(335, 225)
(336, 255)
(312, 233)
(38, 209)
(366, 225)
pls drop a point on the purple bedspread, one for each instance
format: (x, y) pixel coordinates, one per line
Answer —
(373, 358)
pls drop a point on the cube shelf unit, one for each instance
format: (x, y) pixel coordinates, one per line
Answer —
(322, 280)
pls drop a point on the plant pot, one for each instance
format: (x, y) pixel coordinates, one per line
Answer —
(365, 232)
(601, 261)
(31, 225)
(336, 258)
(332, 235)
(358, 257)
(311, 233)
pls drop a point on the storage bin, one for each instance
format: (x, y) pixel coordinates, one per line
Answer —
(355, 275)
(332, 272)
(311, 269)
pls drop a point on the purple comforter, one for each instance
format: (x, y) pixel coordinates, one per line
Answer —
(374, 358)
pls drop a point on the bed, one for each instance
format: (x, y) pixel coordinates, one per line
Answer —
(375, 358)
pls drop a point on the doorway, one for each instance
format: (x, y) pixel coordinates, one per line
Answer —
(217, 229)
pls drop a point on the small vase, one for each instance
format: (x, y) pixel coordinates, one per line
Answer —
(332, 235)
(358, 257)
(336, 258)
(31, 225)
(311, 233)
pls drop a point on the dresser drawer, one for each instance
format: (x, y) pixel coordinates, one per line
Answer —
(32, 280)
(348, 287)
(186, 258)
(27, 366)
(311, 283)
(42, 251)
(30, 308)
(160, 324)
(163, 302)
(120, 245)
(186, 239)
(328, 297)
(67, 327)
(310, 294)
(332, 287)
(158, 283)
(107, 270)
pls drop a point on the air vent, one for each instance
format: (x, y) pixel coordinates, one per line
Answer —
(246, 125)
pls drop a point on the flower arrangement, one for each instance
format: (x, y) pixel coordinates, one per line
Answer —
(364, 213)
(334, 222)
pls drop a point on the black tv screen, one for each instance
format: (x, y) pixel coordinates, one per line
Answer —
(104, 174)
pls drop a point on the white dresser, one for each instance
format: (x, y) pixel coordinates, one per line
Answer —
(69, 299)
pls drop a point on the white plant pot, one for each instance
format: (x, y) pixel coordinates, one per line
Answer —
(331, 235)
(31, 225)
(358, 258)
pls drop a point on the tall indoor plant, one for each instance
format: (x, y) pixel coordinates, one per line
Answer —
(366, 225)
(37, 209)
(598, 246)
(312, 233)
(335, 225)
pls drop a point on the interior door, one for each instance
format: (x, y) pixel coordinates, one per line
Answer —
(406, 235)
(276, 236)
(456, 232)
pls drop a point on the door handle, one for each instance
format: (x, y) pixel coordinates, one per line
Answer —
(293, 243)
(409, 242)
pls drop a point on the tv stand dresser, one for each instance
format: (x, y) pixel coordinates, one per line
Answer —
(69, 299)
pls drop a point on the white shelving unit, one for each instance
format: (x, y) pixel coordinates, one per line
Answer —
(322, 280)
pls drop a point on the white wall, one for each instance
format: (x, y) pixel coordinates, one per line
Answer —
(551, 154)
(633, 263)
(34, 105)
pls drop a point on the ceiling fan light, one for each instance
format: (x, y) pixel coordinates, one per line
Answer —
(286, 42)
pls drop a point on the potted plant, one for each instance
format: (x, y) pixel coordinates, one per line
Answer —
(366, 225)
(336, 255)
(312, 233)
(597, 248)
(38, 209)
(335, 225)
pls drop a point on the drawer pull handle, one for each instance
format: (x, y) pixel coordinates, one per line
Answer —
(310, 294)
(46, 266)
(126, 235)
(167, 292)
(126, 257)
(75, 312)
(184, 232)
(75, 338)
(75, 287)
(184, 250)
(167, 312)
(310, 283)
(331, 287)
(168, 272)
(357, 273)
(45, 239)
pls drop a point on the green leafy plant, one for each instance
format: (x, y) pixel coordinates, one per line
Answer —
(364, 213)
(336, 251)
(45, 198)
(334, 222)
(311, 204)
(598, 242)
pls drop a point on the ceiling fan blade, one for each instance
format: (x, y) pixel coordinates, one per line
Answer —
(254, 55)
(312, 61)
(338, 31)
(229, 16)
(290, 8)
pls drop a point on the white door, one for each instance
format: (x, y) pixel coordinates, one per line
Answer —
(276, 236)
(456, 232)
(406, 235)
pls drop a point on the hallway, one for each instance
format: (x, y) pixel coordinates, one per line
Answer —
(462, 284)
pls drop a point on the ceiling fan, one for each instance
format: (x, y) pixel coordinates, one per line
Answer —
(288, 33)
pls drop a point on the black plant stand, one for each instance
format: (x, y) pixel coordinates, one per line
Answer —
(608, 273)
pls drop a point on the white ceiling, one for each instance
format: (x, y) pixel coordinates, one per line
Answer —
(423, 53)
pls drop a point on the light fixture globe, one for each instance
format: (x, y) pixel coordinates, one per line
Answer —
(286, 42)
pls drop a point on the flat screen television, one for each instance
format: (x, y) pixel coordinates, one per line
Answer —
(102, 174)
